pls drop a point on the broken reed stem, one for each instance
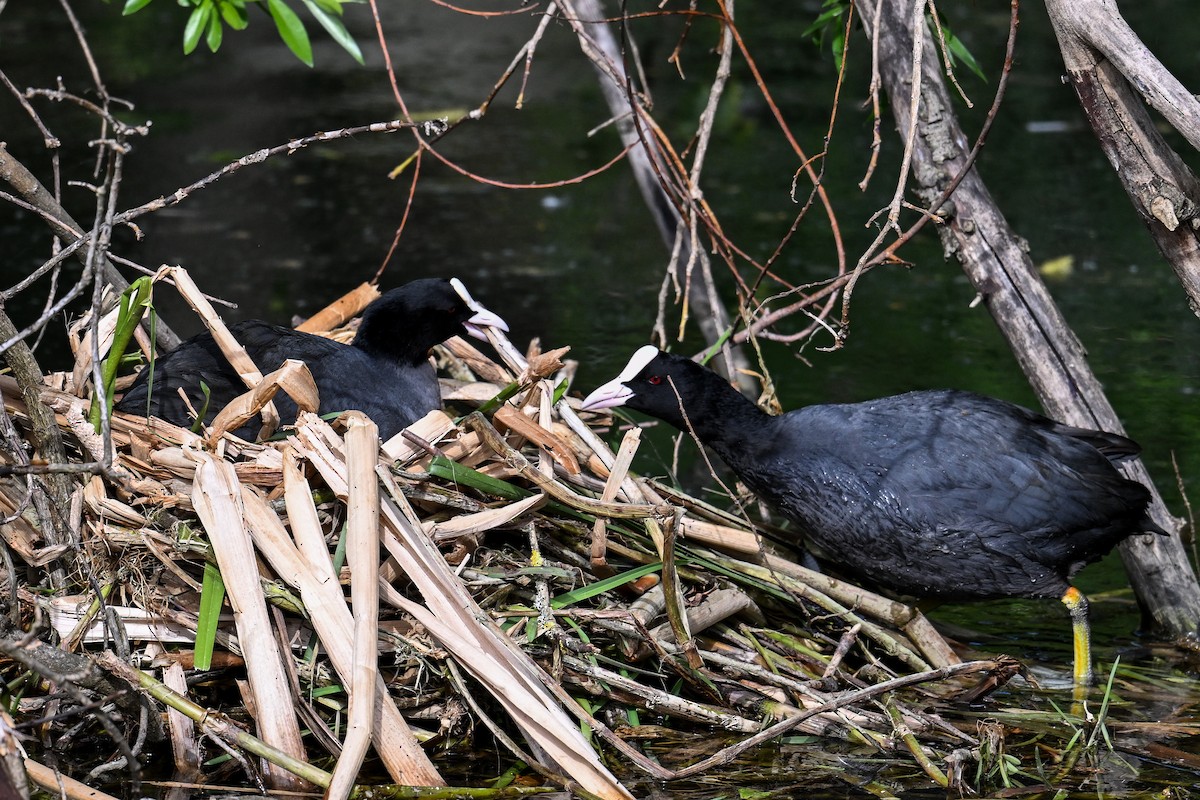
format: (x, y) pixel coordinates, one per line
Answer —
(616, 475)
(362, 555)
(513, 459)
(910, 742)
(843, 647)
(673, 592)
(841, 701)
(214, 723)
(217, 497)
(231, 348)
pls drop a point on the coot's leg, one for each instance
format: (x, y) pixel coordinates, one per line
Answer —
(1077, 604)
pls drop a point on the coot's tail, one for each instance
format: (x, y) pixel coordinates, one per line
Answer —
(1147, 525)
(1115, 447)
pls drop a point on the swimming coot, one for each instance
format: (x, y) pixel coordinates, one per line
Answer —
(385, 372)
(942, 494)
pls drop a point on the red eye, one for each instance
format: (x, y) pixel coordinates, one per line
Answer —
(655, 380)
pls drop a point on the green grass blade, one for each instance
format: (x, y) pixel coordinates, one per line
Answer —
(442, 467)
(133, 303)
(599, 587)
(212, 597)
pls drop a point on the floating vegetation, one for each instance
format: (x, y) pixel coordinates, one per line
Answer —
(229, 603)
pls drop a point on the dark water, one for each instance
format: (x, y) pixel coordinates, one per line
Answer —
(581, 264)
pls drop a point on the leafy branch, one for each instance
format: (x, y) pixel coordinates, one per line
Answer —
(208, 19)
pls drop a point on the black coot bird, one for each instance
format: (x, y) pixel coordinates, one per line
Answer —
(942, 495)
(385, 372)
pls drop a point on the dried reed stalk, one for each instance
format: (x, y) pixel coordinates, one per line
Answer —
(453, 618)
(218, 501)
(342, 310)
(305, 564)
(51, 780)
(230, 347)
(362, 554)
(292, 377)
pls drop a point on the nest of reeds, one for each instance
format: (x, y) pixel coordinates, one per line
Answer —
(528, 586)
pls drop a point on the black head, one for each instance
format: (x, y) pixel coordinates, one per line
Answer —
(656, 383)
(405, 322)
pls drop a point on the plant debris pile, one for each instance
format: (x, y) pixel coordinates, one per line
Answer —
(218, 597)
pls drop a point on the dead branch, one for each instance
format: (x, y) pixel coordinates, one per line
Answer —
(976, 232)
(1109, 67)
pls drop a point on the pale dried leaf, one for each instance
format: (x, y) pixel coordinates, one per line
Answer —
(95, 497)
(292, 377)
(218, 501)
(83, 355)
(481, 521)
(474, 393)
(66, 612)
(18, 533)
(432, 428)
(517, 422)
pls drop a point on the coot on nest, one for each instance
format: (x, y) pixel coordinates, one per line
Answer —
(385, 372)
(942, 494)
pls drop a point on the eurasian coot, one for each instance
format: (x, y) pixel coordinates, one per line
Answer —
(385, 372)
(943, 494)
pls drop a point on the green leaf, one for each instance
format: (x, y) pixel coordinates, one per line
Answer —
(215, 32)
(501, 397)
(827, 17)
(234, 14)
(560, 390)
(334, 27)
(291, 30)
(198, 425)
(132, 305)
(960, 51)
(212, 595)
(195, 26)
(133, 6)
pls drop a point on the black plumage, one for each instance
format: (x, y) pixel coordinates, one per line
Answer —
(385, 372)
(943, 494)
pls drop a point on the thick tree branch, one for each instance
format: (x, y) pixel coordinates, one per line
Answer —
(1091, 31)
(992, 255)
(47, 442)
(1106, 62)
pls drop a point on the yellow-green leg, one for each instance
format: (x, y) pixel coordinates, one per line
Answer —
(1077, 605)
